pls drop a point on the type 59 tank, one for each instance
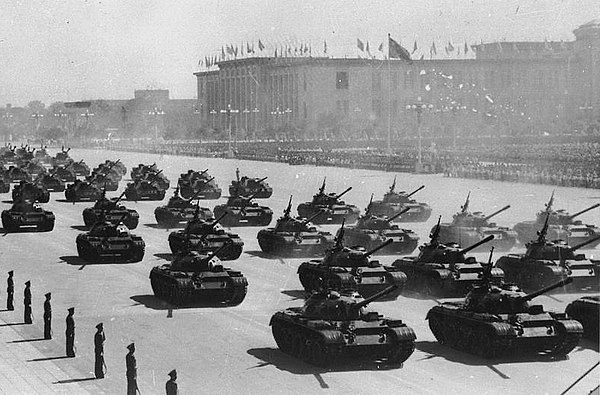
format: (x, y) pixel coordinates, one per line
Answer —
(561, 225)
(372, 230)
(586, 310)
(109, 242)
(51, 181)
(83, 190)
(468, 228)
(27, 215)
(198, 184)
(194, 277)
(206, 236)
(494, 321)
(245, 186)
(442, 269)
(62, 158)
(242, 211)
(335, 325)
(80, 168)
(294, 236)
(335, 210)
(179, 211)
(144, 190)
(33, 191)
(393, 202)
(545, 262)
(350, 268)
(111, 211)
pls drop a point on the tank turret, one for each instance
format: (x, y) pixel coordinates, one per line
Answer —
(111, 211)
(351, 257)
(246, 185)
(196, 262)
(335, 209)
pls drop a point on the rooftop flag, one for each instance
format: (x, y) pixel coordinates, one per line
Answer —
(360, 44)
(397, 51)
(260, 45)
(415, 47)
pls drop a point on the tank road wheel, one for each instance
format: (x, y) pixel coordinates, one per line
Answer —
(237, 294)
(317, 353)
(567, 341)
(437, 328)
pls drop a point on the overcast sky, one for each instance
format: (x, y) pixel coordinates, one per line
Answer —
(76, 50)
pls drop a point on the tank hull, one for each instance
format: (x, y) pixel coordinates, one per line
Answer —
(504, 238)
(322, 343)
(250, 216)
(129, 217)
(111, 249)
(54, 185)
(335, 214)
(294, 244)
(37, 221)
(527, 231)
(404, 241)
(30, 192)
(224, 286)
(436, 279)
(366, 280)
(532, 274)
(177, 218)
(87, 193)
(186, 191)
(264, 192)
(492, 335)
(586, 310)
(419, 212)
(179, 242)
(155, 194)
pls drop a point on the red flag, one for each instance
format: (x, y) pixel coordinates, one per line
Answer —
(466, 48)
(367, 49)
(248, 49)
(324, 46)
(260, 45)
(397, 51)
(450, 46)
(415, 47)
(433, 50)
(380, 49)
(360, 44)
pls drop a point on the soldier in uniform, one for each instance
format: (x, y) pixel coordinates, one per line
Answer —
(48, 317)
(99, 339)
(131, 365)
(70, 333)
(10, 291)
(171, 385)
(27, 302)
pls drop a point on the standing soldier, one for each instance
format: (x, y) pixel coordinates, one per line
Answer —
(70, 333)
(27, 302)
(10, 291)
(48, 317)
(131, 364)
(99, 339)
(171, 385)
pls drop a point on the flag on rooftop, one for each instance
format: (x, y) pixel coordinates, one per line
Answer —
(324, 46)
(360, 44)
(380, 49)
(260, 45)
(415, 47)
(397, 51)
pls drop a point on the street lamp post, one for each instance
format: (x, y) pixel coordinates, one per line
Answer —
(246, 112)
(156, 112)
(36, 120)
(212, 118)
(7, 121)
(228, 112)
(418, 107)
(255, 111)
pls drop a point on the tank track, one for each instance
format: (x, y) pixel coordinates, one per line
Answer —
(166, 288)
(239, 286)
(570, 338)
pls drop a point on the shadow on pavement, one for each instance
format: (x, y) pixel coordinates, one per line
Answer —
(263, 255)
(68, 201)
(157, 226)
(48, 359)
(82, 228)
(73, 380)
(152, 302)
(14, 324)
(166, 257)
(588, 344)
(296, 294)
(77, 261)
(28, 340)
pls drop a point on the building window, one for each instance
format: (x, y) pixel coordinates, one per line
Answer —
(376, 81)
(341, 80)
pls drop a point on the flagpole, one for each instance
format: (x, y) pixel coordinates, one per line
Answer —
(389, 126)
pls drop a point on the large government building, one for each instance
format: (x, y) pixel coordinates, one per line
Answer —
(509, 87)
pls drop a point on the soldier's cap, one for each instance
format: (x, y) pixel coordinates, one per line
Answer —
(71, 309)
(99, 326)
(48, 294)
(27, 282)
(131, 346)
(11, 272)
(173, 373)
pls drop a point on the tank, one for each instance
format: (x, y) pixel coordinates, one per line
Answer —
(206, 236)
(33, 191)
(350, 268)
(109, 172)
(83, 190)
(42, 155)
(179, 211)
(242, 211)
(66, 174)
(562, 225)
(51, 181)
(494, 321)
(106, 241)
(117, 168)
(334, 325)
(545, 262)
(198, 184)
(4, 183)
(245, 186)
(62, 157)
(17, 174)
(27, 215)
(372, 230)
(444, 270)
(468, 228)
(35, 168)
(139, 172)
(294, 236)
(80, 168)
(111, 211)
(194, 277)
(586, 310)
(335, 210)
(393, 202)
(144, 190)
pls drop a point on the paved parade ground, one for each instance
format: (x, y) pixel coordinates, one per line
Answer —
(230, 350)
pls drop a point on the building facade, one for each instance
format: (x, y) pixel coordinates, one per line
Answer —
(510, 87)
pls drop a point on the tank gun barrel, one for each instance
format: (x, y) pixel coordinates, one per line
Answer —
(415, 191)
(435, 232)
(480, 242)
(261, 179)
(393, 186)
(393, 217)
(288, 209)
(248, 198)
(343, 193)
(216, 221)
(559, 284)
(225, 245)
(156, 177)
(578, 246)
(497, 212)
(542, 232)
(584, 211)
(203, 172)
(550, 203)
(465, 207)
(379, 247)
(312, 217)
(376, 296)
